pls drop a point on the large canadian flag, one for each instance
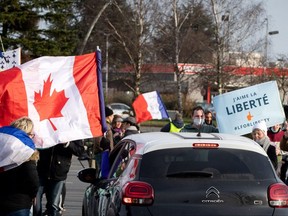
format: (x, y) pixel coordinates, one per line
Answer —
(62, 95)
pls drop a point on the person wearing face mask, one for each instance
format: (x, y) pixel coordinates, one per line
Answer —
(259, 135)
(197, 124)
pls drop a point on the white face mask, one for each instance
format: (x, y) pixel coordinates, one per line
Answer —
(198, 121)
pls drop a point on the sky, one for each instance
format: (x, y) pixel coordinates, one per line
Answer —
(277, 14)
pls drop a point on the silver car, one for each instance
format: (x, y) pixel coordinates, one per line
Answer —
(121, 109)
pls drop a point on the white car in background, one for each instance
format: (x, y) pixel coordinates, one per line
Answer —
(121, 109)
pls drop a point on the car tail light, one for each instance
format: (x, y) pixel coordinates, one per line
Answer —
(138, 193)
(278, 195)
(205, 145)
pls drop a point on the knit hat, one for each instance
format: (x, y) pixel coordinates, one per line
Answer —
(261, 126)
(130, 120)
(108, 111)
(118, 120)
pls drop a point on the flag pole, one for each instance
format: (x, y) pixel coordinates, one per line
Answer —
(2, 44)
(100, 87)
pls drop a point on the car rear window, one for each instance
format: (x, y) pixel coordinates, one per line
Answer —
(226, 164)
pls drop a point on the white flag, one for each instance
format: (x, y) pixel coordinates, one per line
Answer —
(10, 59)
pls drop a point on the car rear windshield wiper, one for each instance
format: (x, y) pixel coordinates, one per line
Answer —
(191, 174)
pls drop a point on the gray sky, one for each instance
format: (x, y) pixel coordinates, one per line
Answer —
(277, 11)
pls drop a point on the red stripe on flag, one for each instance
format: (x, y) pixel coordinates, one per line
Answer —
(13, 97)
(85, 76)
(141, 109)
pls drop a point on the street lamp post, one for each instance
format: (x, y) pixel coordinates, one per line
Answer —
(266, 41)
(222, 51)
(273, 32)
(107, 64)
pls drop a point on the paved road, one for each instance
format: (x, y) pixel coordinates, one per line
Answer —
(75, 188)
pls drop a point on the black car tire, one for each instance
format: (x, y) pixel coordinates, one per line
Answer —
(83, 211)
(110, 212)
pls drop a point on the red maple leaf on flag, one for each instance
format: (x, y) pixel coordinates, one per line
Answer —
(49, 106)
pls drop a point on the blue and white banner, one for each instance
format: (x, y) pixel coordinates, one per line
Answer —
(16, 147)
(10, 59)
(238, 111)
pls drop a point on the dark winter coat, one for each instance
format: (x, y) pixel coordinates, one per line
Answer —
(270, 149)
(131, 130)
(18, 187)
(271, 152)
(55, 162)
(203, 129)
(284, 144)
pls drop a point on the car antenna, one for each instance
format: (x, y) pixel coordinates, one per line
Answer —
(199, 131)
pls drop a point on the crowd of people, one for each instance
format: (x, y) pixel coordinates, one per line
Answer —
(45, 171)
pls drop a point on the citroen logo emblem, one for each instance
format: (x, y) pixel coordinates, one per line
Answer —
(212, 191)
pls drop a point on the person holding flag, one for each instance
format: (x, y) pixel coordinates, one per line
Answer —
(63, 95)
(18, 173)
(53, 167)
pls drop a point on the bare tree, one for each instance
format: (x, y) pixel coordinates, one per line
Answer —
(172, 36)
(136, 37)
(95, 20)
(178, 23)
(279, 73)
(238, 25)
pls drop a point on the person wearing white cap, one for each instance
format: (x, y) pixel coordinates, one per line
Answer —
(259, 135)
